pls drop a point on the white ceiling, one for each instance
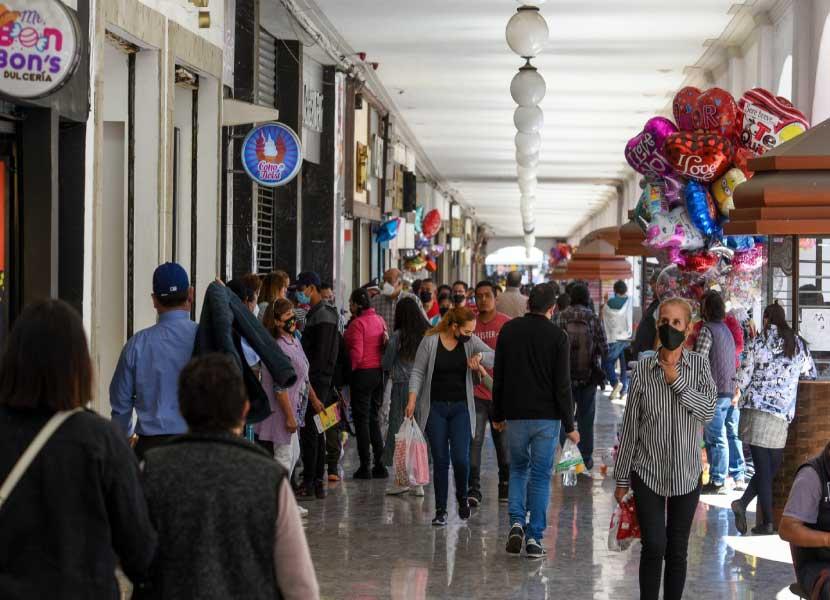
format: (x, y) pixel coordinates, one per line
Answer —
(610, 65)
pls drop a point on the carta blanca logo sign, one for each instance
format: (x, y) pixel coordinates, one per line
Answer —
(271, 154)
(38, 47)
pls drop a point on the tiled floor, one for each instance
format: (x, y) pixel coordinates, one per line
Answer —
(370, 546)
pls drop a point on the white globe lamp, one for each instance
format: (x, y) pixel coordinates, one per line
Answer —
(529, 119)
(527, 32)
(528, 87)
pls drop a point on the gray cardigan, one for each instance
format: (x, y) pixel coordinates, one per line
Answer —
(420, 381)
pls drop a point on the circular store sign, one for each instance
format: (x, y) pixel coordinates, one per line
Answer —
(39, 47)
(271, 154)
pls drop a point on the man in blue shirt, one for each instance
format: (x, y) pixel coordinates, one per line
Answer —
(147, 376)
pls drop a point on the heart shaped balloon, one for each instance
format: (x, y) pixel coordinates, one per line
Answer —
(699, 156)
(431, 223)
(742, 158)
(724, 187)
(769, 120)
(715, 111)
(644, 152)
(683, 106)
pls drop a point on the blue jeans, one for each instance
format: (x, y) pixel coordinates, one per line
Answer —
(532, 446)
(723, 448)
(585, 401)
(448, 432)
(616, 351)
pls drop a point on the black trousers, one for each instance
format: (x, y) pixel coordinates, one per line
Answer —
(312, 448)
(665, 525)
(766, 462)
(367, 397)
(148, 442)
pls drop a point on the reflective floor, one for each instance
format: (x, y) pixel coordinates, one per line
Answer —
(368, 546)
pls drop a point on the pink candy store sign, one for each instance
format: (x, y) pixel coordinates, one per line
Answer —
(39, 50)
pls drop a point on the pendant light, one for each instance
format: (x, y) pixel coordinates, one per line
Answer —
(527, 32)
(528, 87)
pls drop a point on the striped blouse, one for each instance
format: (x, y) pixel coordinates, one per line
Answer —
(661, 431)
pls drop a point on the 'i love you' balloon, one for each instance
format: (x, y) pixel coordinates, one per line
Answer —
(644, 152)
(699, 156)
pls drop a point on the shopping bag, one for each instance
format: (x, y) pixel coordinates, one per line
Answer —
(410, 459)
(625, 528)
(570, 463)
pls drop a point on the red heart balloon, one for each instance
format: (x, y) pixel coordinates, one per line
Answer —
(769, 120)
(431, 223)
(742, 156)
(700, 156)
(715, 111)
(683, 106)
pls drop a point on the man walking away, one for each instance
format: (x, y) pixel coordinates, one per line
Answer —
(512, 302)
(532, 392)
(147, 375)
(589, 350)
(321, 342)
(488, 326)
(616, 319)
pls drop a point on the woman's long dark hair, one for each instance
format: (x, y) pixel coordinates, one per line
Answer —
(411, 325)
(360, 298)
(774, 315)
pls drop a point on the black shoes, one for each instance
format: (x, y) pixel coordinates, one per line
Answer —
(534, 549)
(711, 489)
(515, 539)
(363, 473)
(380, 472)
(440, 519)
(320, 489)
(504, 491)
(463, 509)
(739, 511)
(474, 498)
(763, 529)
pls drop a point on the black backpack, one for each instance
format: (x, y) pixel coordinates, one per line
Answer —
(582, 349)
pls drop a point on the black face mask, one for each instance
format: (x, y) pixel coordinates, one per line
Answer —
(443, 310)
(463, 339)
(458, 298)
(288, 326)
(426, 296)
(670, 338)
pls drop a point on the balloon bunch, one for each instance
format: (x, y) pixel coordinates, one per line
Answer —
(426, 251)
(691, 167)
(559, 253)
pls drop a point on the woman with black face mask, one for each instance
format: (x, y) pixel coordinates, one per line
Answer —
(672, 395)
(441, 388)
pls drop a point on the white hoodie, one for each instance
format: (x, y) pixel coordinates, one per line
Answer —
(618, 322)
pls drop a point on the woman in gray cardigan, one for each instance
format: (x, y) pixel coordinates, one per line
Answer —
(441, 387)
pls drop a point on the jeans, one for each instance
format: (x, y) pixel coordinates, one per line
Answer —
(484, 413)
(723, 448)
(616, 351)
(767, 461)
(448, 431)
(532, 444)
(367, 396)
(665, 524)
(585, 397)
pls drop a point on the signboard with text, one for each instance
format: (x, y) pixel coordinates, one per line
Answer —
(271, 154)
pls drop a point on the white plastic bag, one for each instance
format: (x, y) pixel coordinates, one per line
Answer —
(570, 463)
(411, 460)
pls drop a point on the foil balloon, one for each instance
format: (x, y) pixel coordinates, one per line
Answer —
(388, 231)
(683, 106)
(701, 209)
(421, 242)
(673, 229)
(436, 249)
(698, 262)
(431, 223)
(742, 158)
(715, 111)
(419, 218)
(740, 243)
(431, 266)
(769, 120)
(642, 216)
(674, 184)
(655, 196)
(749, 260)
(644, 152)
(716, 247)
(699, 156)
(724, 188)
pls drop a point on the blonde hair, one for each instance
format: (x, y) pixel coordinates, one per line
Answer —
(681, 302)
(455, 316)
(272, 284)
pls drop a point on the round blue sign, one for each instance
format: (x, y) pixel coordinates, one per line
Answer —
(271, 154)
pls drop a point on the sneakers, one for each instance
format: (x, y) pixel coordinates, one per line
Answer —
(711, 488)
(397, 490)
(303, 511)
(615, 393)
(739, 511)
(534, 549)
(440, 519)
(504, 491)
(379, 472)
(418, 491)
(362, 473)
(463, 509)
(474, 498)
(740, 485)
(515, 539)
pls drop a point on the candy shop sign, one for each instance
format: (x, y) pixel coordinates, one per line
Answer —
(271, 154)
(39, 50)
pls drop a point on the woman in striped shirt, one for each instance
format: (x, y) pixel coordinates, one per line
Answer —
(672, 395)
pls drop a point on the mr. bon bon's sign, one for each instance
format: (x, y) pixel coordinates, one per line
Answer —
(271, 154)
(39, 47)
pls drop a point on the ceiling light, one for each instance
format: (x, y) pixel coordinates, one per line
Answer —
(527, 160)
(528, 87)
(528, 186)
(525, 173)
(529, 119)
(528, 143)
(527, 32)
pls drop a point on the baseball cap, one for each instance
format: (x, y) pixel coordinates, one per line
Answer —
(170, 278)
(308, 278)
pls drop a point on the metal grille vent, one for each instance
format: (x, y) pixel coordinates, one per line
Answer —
(265, 230)
(267, 70)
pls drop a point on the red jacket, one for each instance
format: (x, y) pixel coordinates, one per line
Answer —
(365, 338)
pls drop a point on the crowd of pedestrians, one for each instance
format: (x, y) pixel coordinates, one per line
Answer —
(247, 397)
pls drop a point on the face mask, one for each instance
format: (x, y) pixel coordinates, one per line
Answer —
(463, 339)
(289, 325)
(426, 296)
(388, 289)
(256, 310)
(443, 310)
(458, 298)
(303, 298)
(670, 338)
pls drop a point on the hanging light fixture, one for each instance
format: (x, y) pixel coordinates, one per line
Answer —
(528, 143)
(527, 186)
(529, 119)
(528, 87)
(527, 32)
(527, 160)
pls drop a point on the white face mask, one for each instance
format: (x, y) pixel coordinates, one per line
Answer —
(388, 289)
(256, 310)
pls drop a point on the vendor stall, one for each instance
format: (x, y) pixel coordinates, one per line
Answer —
(596, 263)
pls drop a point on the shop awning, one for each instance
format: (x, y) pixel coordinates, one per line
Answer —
(596, 261)
(237, 112)
(790, 191)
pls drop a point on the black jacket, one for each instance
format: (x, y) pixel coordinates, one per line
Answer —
(532, 374)
(224, 320)
(646, 334)
(322, 343)
(76, 512)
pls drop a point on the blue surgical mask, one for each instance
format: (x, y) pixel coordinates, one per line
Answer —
(303, 298)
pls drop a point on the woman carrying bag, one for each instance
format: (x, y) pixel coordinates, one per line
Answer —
(441, 389)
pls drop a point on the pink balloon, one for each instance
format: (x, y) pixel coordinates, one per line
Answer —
(644, 152)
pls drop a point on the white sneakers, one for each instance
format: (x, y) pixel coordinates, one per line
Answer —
(303, 511)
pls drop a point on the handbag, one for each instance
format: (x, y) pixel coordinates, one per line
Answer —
(31, 452)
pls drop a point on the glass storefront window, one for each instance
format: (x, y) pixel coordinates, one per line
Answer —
(814, 299)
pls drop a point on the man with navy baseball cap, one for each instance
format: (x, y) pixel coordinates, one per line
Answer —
(147, 376)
